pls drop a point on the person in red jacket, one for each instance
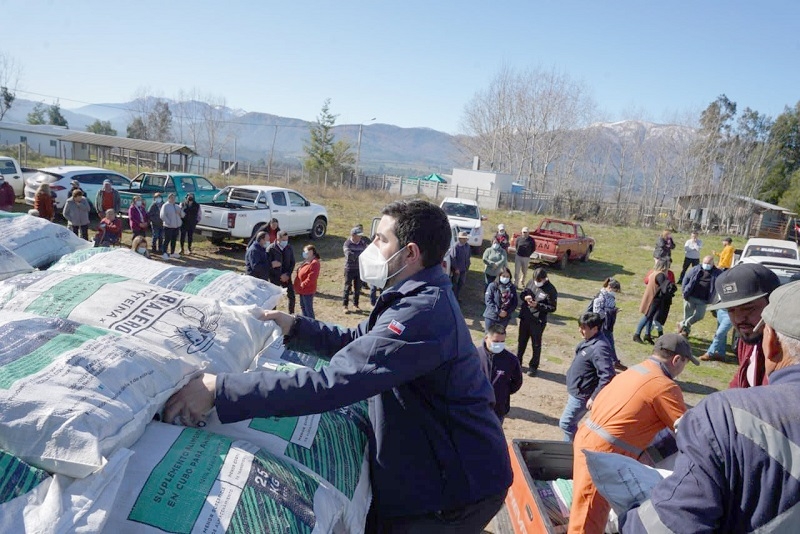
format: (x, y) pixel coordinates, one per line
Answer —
(305, 282)
(110, 230)
(43, 202)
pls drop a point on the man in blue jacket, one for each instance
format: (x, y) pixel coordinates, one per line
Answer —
(281, 259)
(737, 465)
(459, 264)
(438, 457)
(256, 262)
(698, 292)
(591, 370)
(502, 368)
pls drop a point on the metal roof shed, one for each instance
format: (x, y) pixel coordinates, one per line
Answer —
(116, 147)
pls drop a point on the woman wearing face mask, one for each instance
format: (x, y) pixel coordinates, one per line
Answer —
(138, 219)
(605, 305)
(305, 282)
(539, 299)
(495, 259)
(500, 299)
(191, 210)
(156, 226)
(139, 246)
(171, 216)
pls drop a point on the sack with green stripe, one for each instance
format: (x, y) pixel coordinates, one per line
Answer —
(187, 480)
(225, 286)
(33, 501)
(211, 335)
(333, 445)
(38, 241)
(72, 394)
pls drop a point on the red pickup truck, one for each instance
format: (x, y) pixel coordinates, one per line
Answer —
(558, 242)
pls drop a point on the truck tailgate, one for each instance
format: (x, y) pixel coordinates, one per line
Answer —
(535, 460)
(213, 217)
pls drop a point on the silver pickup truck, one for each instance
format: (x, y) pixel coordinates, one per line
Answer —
(236, 212)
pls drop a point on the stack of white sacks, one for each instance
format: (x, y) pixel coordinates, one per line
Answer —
(91, 349)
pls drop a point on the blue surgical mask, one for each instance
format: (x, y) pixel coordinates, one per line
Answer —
(707, 266)
(138, 203)
(305, 254)
(496, 246)
(504, 279)
(497, 347)
(283, 244)
(158, 200)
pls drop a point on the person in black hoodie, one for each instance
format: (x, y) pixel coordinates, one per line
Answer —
(539, 298)
(190, 220)
(281, 260)
(501, 367)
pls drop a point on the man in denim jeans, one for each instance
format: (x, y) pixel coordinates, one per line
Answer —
(719, 345)
(591, 370)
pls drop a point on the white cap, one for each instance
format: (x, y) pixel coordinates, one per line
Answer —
(524, 229)
(501, 226)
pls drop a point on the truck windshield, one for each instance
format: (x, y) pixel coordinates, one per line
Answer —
(461, 210)
(7, 167)
(772, 252)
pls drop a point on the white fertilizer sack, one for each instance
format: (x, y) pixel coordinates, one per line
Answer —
(225, 286)
(193, 481)
(199, 330)
(71, 394)
(12, 264)
(334, 445)
(38, 241)
(59, 504)
(274, 352)
(623, 481)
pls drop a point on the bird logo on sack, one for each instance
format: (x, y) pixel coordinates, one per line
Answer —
(396, 326)
(729, 289)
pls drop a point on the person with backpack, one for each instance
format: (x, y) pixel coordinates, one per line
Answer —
(656, 301)
(605, 305)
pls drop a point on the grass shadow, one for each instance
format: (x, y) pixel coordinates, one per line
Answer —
(594, 270)
(558, 378)
(693, 387)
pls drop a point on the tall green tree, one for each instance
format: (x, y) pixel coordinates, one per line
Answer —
(319, 148)
(784, 160)
(154, 125)
(101, 127)
(36, 116)
(55, 117)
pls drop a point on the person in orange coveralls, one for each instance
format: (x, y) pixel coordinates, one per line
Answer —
(626, 415)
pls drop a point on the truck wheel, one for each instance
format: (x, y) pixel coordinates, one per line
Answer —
(564, 261)
(217, 241)
(476, 251)
(319, 228)
(585, 257)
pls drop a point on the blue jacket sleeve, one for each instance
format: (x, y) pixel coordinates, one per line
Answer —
(684, 501)
(369, 364)
(492, 300)
(604, 363)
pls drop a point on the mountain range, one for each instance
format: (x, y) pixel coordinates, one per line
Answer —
(385, 148)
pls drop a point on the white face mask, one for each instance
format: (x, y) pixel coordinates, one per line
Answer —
(138, 203)
(158, 200)
(283, 244)
(141, 250)
(497, 346)
(504, 279)
(305, 254)
(496, 246)
(539, 284)
(374, 268)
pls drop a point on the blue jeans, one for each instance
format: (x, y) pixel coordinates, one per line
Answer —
(573, 413)
(645, 323)
(719, 345)
(694, 309)
(307, 306)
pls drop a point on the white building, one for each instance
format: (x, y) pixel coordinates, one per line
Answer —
(478, 179)
(43, 138)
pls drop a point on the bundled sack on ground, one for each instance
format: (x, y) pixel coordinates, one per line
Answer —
(192, 481)
(33, 501)
(38, 241)
(333, 445)
(200, 330)
(71, 394)
(227, 287)
(12, 264)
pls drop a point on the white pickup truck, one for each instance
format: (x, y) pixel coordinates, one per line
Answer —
(236, 212)
(778, 255)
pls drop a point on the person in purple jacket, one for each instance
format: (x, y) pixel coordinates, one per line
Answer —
(438, 457)
(502, 368)
(138, 219)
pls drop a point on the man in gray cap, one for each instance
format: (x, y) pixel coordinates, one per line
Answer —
(459, 264)
(744, 291)
(737, 466)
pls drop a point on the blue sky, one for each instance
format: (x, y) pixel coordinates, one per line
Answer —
(409, 63)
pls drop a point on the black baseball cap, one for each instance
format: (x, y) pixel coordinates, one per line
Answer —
(743, 283)
(676, 344)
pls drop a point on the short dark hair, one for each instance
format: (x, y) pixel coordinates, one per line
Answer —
(728, 240)
(261, 235)
(496, 328)
(591, 320)
(423, 223)
(540, 273)
(283, 233)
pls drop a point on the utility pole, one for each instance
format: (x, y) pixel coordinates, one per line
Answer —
(271, 152)
(358, 149)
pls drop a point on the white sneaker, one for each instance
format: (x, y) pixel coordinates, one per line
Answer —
(176, 255)
(165, 256)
